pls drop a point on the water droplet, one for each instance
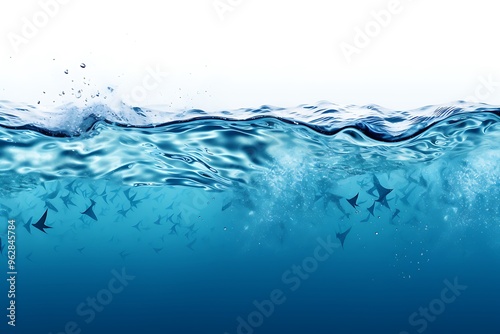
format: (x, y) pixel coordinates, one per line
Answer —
(82, 65)
(376, 233)
(225, 228)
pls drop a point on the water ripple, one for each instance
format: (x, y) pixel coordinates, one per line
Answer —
(214, 151)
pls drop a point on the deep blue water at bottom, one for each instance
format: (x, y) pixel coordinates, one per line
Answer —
(354, 291)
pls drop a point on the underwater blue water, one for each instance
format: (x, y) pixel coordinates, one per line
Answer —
(133, 220)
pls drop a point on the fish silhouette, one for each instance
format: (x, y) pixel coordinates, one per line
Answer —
(407, 195)
(190, 245)
(371, 209)
(342, 236)
(396, 214)
(134, 202)
(90, 212)
(353, 201)
(366, 219)
(381, 190)
(67, 200)
(173, 228)
(335, 199)
(158, 221)
(27, 226)
(28, 257)
(384, 202)
(40, 224)
(123, 212)
(51, 206)
(53, 194)
(70, 186)
(137, 226)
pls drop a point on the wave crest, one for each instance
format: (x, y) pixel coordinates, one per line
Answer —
(374, 121)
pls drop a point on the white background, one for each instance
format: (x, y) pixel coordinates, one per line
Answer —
(274, 52)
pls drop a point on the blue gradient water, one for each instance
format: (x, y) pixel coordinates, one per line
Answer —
(228, 221)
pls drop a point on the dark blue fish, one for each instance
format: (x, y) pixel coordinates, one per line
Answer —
(190, 245)
(67, 200)
(27, 226)
(89, 211)
(123, 212)
(134, 202)
(173, 228)
(158, 221)
(342, 236)
(395, 214)
(127, 193)
(40, 224)
(423, 182)
(70, 186)
(381, 190)
(384, 202)
(335, 199)
(53, 194)
(371, 209)
(353, 201)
